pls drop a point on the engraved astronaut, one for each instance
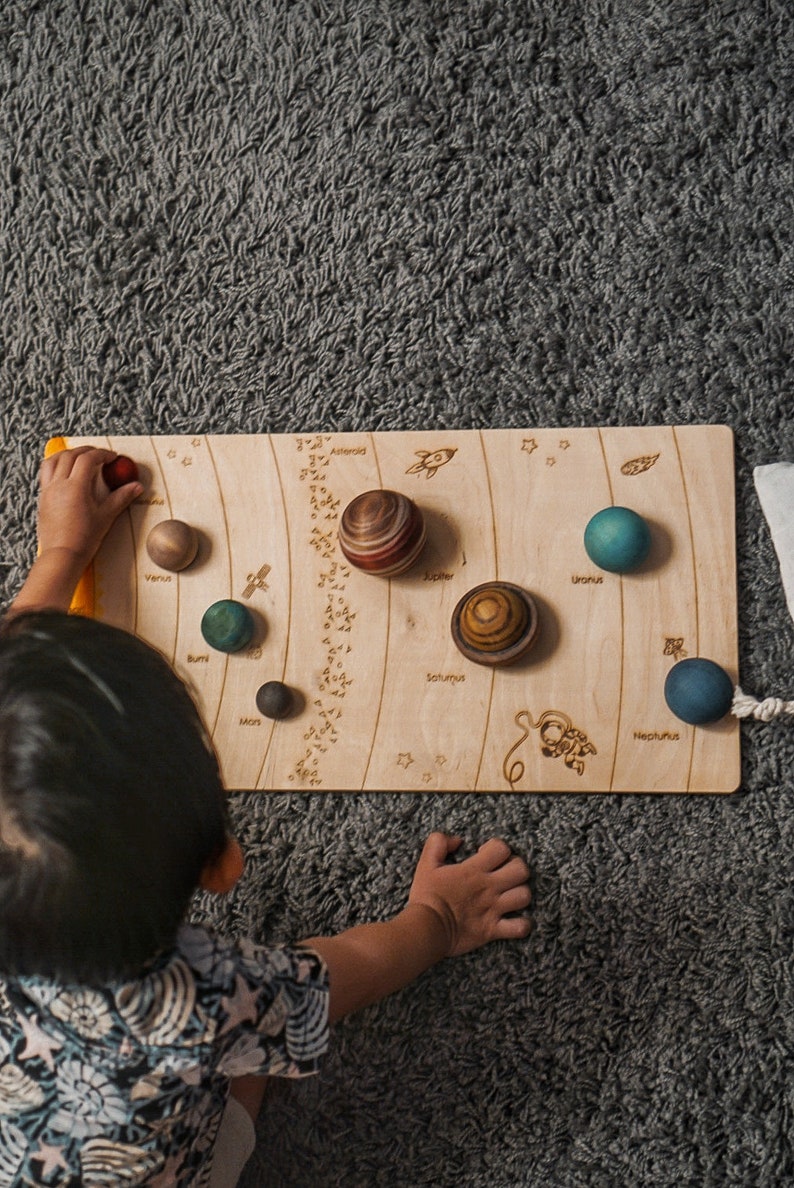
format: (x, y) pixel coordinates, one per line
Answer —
(561, 739)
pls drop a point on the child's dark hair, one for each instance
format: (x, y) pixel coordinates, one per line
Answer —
(110, 799)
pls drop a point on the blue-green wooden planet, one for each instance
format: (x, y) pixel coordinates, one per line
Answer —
(698, 691)
(227, 625)
(617, 539)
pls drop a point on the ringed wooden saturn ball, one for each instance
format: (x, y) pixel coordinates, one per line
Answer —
(495, 623)
(382, 532)
(172, 544)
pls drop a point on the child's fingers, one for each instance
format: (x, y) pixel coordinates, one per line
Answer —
(512, 928)
(63, 463)
(491, 855)
(89, 462)
(60, 463)
(515, 900)
(513, 873)
(120, 499)
(437, 849)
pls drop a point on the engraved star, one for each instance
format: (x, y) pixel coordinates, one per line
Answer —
(427, 777)
(50, 1158)
(196, 443)
(187, 461)
(565, 444)
(171, 454)
(241, 1006)
(37, 1041)
(529, 445)
(405, 759)
(440, 760)
(551, 461)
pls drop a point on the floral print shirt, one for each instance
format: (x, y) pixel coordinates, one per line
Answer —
(126, 1084)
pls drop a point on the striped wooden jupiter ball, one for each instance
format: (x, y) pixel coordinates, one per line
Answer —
(495, 623)
(382, 532)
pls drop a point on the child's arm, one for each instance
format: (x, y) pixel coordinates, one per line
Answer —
(452, 909)
(76, 509)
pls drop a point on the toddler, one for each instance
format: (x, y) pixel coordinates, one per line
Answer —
(134, 1049)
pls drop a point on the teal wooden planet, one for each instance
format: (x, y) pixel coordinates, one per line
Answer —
(698, 691)
(617, 539)
(227, 625)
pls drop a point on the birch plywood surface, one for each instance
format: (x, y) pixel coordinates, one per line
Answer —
(386, 702)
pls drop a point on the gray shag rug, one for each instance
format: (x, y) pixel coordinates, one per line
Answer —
(267, 215)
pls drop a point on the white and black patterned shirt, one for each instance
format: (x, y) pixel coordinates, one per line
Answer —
(125, 1084)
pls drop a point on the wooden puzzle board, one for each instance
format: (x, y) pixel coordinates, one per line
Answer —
(388, 703)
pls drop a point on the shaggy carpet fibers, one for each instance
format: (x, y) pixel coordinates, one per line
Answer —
(269, 216)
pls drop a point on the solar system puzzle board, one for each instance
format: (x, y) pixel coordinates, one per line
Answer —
(386, 701)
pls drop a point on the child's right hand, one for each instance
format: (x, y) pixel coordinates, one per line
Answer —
(76, 508)
(475, 898)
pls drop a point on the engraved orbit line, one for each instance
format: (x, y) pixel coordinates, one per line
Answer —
(104, 443)
(231, 591)
(695, 582)
(622, 628)
(167, 494)
(93, 576)
(136, 583)
(260, 777)
(496, 571)
(373, 740)
(95, 584)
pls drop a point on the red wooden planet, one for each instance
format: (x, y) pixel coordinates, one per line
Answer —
(119, 471)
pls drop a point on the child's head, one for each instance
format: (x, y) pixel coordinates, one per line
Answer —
(111, 803)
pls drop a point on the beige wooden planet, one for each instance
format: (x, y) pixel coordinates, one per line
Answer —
(172, 544)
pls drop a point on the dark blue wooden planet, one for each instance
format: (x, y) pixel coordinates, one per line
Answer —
(698, 691)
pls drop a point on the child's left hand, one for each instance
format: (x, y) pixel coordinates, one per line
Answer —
(476, 900)
(76, 508)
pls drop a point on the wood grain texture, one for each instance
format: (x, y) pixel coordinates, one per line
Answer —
(388, 702)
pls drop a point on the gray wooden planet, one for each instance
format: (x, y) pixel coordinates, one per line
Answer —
(274, 699)
(172, 544)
